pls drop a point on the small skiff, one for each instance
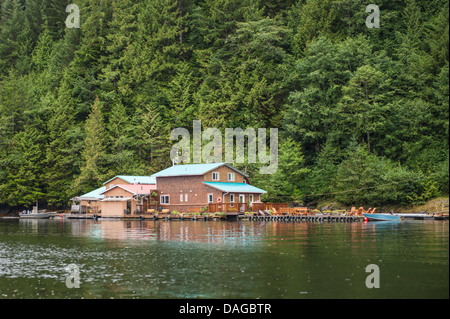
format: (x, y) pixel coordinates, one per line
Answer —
(384, 217)
(38, 215)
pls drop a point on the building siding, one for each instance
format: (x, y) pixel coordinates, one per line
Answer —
(115, 181)
(118, 192)
(192, 186)
(176, 187)
(223, 175)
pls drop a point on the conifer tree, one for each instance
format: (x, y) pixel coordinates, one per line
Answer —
(92, 172)
(22, 185)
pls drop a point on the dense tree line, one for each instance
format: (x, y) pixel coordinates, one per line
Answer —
(362, 113)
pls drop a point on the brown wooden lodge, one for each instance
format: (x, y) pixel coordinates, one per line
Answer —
(186, 189)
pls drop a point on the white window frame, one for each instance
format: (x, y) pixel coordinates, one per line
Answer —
(231, 198)
(218, 176)
(240, 196)
(210, 198)
(185, 197)
(251, 198)
(162, 199)
(181, 198)
(232, 177)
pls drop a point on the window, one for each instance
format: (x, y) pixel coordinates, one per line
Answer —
(231, 198)
(250, 198)
(231, 177)
(210, 198)
(185, 197)
(181, 197)
(111, 185)
(165, 199)
(244, 181)
(215, 176)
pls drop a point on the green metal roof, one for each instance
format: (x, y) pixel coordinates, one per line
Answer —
(135, 179)
(191, 169)
(95, 193)
(235, 187)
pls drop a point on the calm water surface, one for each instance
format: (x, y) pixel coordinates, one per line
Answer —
(214, 259)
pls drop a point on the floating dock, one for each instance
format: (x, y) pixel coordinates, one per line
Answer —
(254, 217)
(309, 218)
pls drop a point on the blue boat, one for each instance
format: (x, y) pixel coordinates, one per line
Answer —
(389, 217)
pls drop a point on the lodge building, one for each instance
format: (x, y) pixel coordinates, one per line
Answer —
(180, 188)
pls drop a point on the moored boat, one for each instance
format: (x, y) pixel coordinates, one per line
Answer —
(38, 215)
(384, 217)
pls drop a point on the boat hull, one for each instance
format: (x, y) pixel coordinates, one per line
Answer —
(383, 217)
(34, 216)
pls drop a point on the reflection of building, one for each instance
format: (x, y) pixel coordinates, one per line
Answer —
(186, 231)
(182, 188)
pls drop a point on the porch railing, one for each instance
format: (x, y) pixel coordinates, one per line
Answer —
(227, 207)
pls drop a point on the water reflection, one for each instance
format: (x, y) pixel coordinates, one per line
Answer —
(217, 259)
(216, 232)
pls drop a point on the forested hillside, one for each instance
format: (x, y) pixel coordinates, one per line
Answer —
(363, 114)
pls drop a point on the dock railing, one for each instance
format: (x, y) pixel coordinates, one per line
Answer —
(244, 207)
(227, 207)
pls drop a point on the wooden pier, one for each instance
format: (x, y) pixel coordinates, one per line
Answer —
(308, 218)
(235, 216)
(232, 216)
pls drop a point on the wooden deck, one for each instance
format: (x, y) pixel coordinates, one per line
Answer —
(307, 218)
(282, 216)
(228, 208)
(82, 216)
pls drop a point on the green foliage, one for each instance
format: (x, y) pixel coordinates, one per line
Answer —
(22, 177)
(92, 171)
(364, 178)
(362, 113)
(283, 185)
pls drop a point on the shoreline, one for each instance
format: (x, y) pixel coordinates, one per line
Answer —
(439, 205)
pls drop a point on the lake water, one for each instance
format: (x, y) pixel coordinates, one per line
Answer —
(218, 259)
